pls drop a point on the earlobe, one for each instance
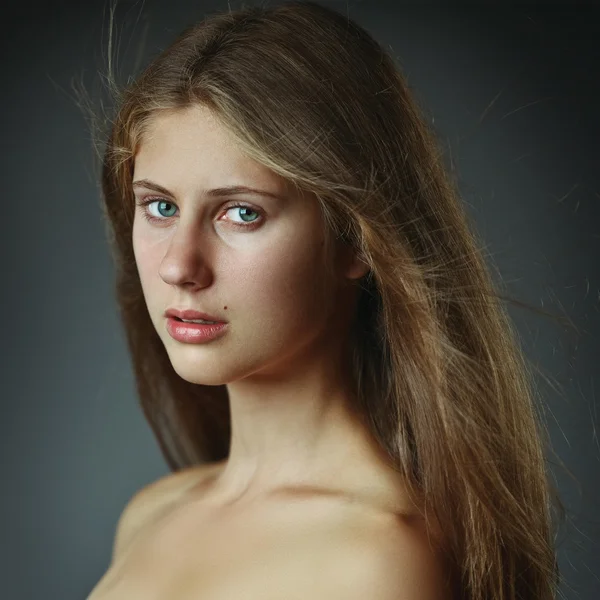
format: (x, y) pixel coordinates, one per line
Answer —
(356, 268)
(350, 265)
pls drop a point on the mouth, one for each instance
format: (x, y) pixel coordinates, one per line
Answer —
(196, 321)
(188, 315)
(196, 331)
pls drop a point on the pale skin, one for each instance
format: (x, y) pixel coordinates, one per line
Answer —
(305, 489)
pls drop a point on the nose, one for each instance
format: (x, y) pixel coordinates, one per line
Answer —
(185, 263)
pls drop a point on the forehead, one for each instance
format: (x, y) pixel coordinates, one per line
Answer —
(191, 144)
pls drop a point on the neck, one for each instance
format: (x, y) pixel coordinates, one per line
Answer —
(297, 431)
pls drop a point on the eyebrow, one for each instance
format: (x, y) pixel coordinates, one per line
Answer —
(214, 193)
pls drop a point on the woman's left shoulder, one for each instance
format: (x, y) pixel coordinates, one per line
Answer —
(393, 558)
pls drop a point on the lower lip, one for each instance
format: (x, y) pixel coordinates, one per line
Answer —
(194, 333)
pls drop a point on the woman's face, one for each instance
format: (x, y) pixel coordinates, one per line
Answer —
(261, 269)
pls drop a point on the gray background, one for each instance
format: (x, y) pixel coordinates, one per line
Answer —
(74, 442)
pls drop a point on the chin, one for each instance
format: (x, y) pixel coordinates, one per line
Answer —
(199, 378)
(198, 370)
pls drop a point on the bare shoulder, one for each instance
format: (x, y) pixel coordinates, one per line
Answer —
(151, 500)
(392, 560)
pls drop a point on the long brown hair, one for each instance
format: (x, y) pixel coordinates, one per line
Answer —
(440, 379)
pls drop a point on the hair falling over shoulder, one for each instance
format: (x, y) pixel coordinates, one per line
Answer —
(440, 378)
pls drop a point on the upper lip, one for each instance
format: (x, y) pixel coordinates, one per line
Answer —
(190, 315)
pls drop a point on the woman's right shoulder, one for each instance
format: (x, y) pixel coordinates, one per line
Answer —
(171, 486)
(148, 502)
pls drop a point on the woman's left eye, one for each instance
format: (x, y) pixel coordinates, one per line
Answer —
(245, 211)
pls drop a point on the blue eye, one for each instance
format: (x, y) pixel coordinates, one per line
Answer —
(244, 210)
(159, 202)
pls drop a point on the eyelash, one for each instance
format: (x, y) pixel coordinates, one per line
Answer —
(151, 218)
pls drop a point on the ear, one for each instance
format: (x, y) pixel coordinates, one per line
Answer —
(352, 266)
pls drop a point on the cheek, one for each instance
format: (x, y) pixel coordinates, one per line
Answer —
(147, 258)
(286, 282)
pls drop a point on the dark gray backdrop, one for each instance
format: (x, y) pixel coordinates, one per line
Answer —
(513, 92)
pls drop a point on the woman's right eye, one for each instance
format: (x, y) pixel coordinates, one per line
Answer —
(147, 202)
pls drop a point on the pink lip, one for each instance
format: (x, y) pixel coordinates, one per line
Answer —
(194, 333)
(191, 314)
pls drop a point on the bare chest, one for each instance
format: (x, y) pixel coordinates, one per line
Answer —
(269, 554)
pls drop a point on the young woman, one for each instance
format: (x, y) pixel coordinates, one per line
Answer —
(352, 418)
